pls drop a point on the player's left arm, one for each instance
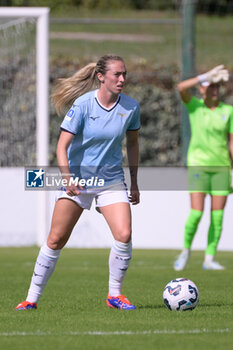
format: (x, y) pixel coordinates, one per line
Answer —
(231, 146)
(133, 157)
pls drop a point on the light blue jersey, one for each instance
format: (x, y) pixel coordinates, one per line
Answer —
(96, 149)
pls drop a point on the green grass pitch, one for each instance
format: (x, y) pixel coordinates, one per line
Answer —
(72, 312)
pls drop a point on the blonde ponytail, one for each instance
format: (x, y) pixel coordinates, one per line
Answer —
(67, 90)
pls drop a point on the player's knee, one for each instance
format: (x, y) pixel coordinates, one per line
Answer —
(124, 235)
(55, 240)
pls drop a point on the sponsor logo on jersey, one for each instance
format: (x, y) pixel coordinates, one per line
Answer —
(93, 117)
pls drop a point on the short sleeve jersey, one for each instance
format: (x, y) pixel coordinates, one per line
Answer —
(96, 149)
(209, 134)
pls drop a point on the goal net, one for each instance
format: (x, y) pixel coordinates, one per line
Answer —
(17, 92)
(24, 86)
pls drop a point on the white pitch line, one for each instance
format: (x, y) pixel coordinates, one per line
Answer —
(103, 333)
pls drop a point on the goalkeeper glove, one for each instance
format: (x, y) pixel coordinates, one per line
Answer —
(215, 75)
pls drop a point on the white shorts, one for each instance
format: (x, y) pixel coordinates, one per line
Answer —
(109, 195)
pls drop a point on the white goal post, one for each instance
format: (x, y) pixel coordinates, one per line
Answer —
(41, 15)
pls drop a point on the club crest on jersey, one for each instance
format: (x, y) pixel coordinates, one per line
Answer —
(69, 114)
(224, 117)
(122, 114)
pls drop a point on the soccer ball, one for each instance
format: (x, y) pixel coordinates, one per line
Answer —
(181, 294)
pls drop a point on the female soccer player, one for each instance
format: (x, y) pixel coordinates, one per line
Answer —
(90, 146)
(208, 160)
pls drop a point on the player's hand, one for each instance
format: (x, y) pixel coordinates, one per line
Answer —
(218, 74)
(215, 75)
(73, 190)
(223, 75)
(134, 196)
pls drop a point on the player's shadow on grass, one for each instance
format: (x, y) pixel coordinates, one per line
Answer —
(214, 305)
(150, 306)
(161, 306)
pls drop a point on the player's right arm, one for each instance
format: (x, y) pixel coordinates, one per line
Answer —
(62, 146)
(184, 86)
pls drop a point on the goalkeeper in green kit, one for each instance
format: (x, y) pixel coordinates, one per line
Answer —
(208, 160)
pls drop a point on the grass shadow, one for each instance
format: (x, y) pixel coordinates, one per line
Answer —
(215, 305)
(150, 306)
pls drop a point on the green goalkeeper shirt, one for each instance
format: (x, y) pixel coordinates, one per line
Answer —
(209, 134)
